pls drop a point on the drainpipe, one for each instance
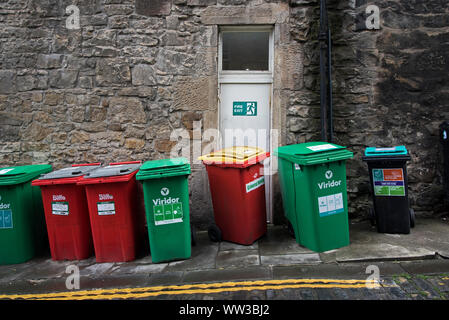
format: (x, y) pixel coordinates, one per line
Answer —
(330, 110)
(325, 76)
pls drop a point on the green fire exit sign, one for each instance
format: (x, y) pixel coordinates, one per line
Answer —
(244, 108)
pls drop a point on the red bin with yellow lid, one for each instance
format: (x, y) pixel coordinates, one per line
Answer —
(116, 210)
(237, 187)
(66, 212)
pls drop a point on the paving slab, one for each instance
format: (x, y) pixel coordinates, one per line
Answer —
(336, 271)
(27, 287)
(381, 252)
(439, 266)
(165, 278)
(97, 270)
(48, 269)
(289, 259)
(248, 273)
(9, 273)
(203, 256)
(369, 245)
(237, 258)
(122, 281)
(226, 246)
(136, 268)
(278, 241)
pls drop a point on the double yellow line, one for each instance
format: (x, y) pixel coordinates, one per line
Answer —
(209, 288)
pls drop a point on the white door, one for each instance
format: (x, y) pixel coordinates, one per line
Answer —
(245, 89)
(245, 114)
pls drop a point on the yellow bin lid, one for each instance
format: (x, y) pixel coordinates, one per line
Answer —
(235, 156)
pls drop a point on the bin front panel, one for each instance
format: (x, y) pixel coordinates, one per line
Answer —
(68, 223)
(116, 221)
(288, 192)
(322, 206)
(389, 188)
(238, 199)
(22, 227)
(168, 218)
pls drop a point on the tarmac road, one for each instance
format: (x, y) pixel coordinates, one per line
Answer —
(403, 286)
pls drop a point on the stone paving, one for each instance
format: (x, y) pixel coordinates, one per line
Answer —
(413, 267)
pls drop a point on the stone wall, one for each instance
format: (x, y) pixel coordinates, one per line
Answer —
(116, 88)
(390, 88)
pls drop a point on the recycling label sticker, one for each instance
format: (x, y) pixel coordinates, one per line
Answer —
(106, 208)
(60, 208)
(331, 204)
(388, 182)
(167, 213)
(6, 219)
(250, 186)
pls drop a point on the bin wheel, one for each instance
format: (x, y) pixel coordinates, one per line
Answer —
(372, 217)
(193, 235)
(214, 233)
(412, 218)
(290, 229)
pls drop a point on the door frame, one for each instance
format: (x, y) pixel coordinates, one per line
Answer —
(250, 77)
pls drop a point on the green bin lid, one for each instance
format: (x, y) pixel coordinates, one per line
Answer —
(379, 152)
(21, 174)
(311, 153)
(163, 168)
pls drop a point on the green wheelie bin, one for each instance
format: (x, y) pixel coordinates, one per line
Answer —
(166, 195)
(313, 184)
(22, 221)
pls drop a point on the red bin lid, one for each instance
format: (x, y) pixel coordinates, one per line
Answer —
(235, 157)
(114, 172)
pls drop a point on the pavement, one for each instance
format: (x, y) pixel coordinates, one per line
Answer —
(413, 266)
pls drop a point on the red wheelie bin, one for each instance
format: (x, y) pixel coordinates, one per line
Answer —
(66, 212)
(117, 212)
(237, 187)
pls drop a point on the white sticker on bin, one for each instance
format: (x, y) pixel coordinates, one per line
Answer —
(322, 147)
(60, 208)
(331, 204)
(385, 149)
(5, 171)
(106, 208)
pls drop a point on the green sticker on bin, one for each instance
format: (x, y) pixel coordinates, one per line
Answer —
(167, 213)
